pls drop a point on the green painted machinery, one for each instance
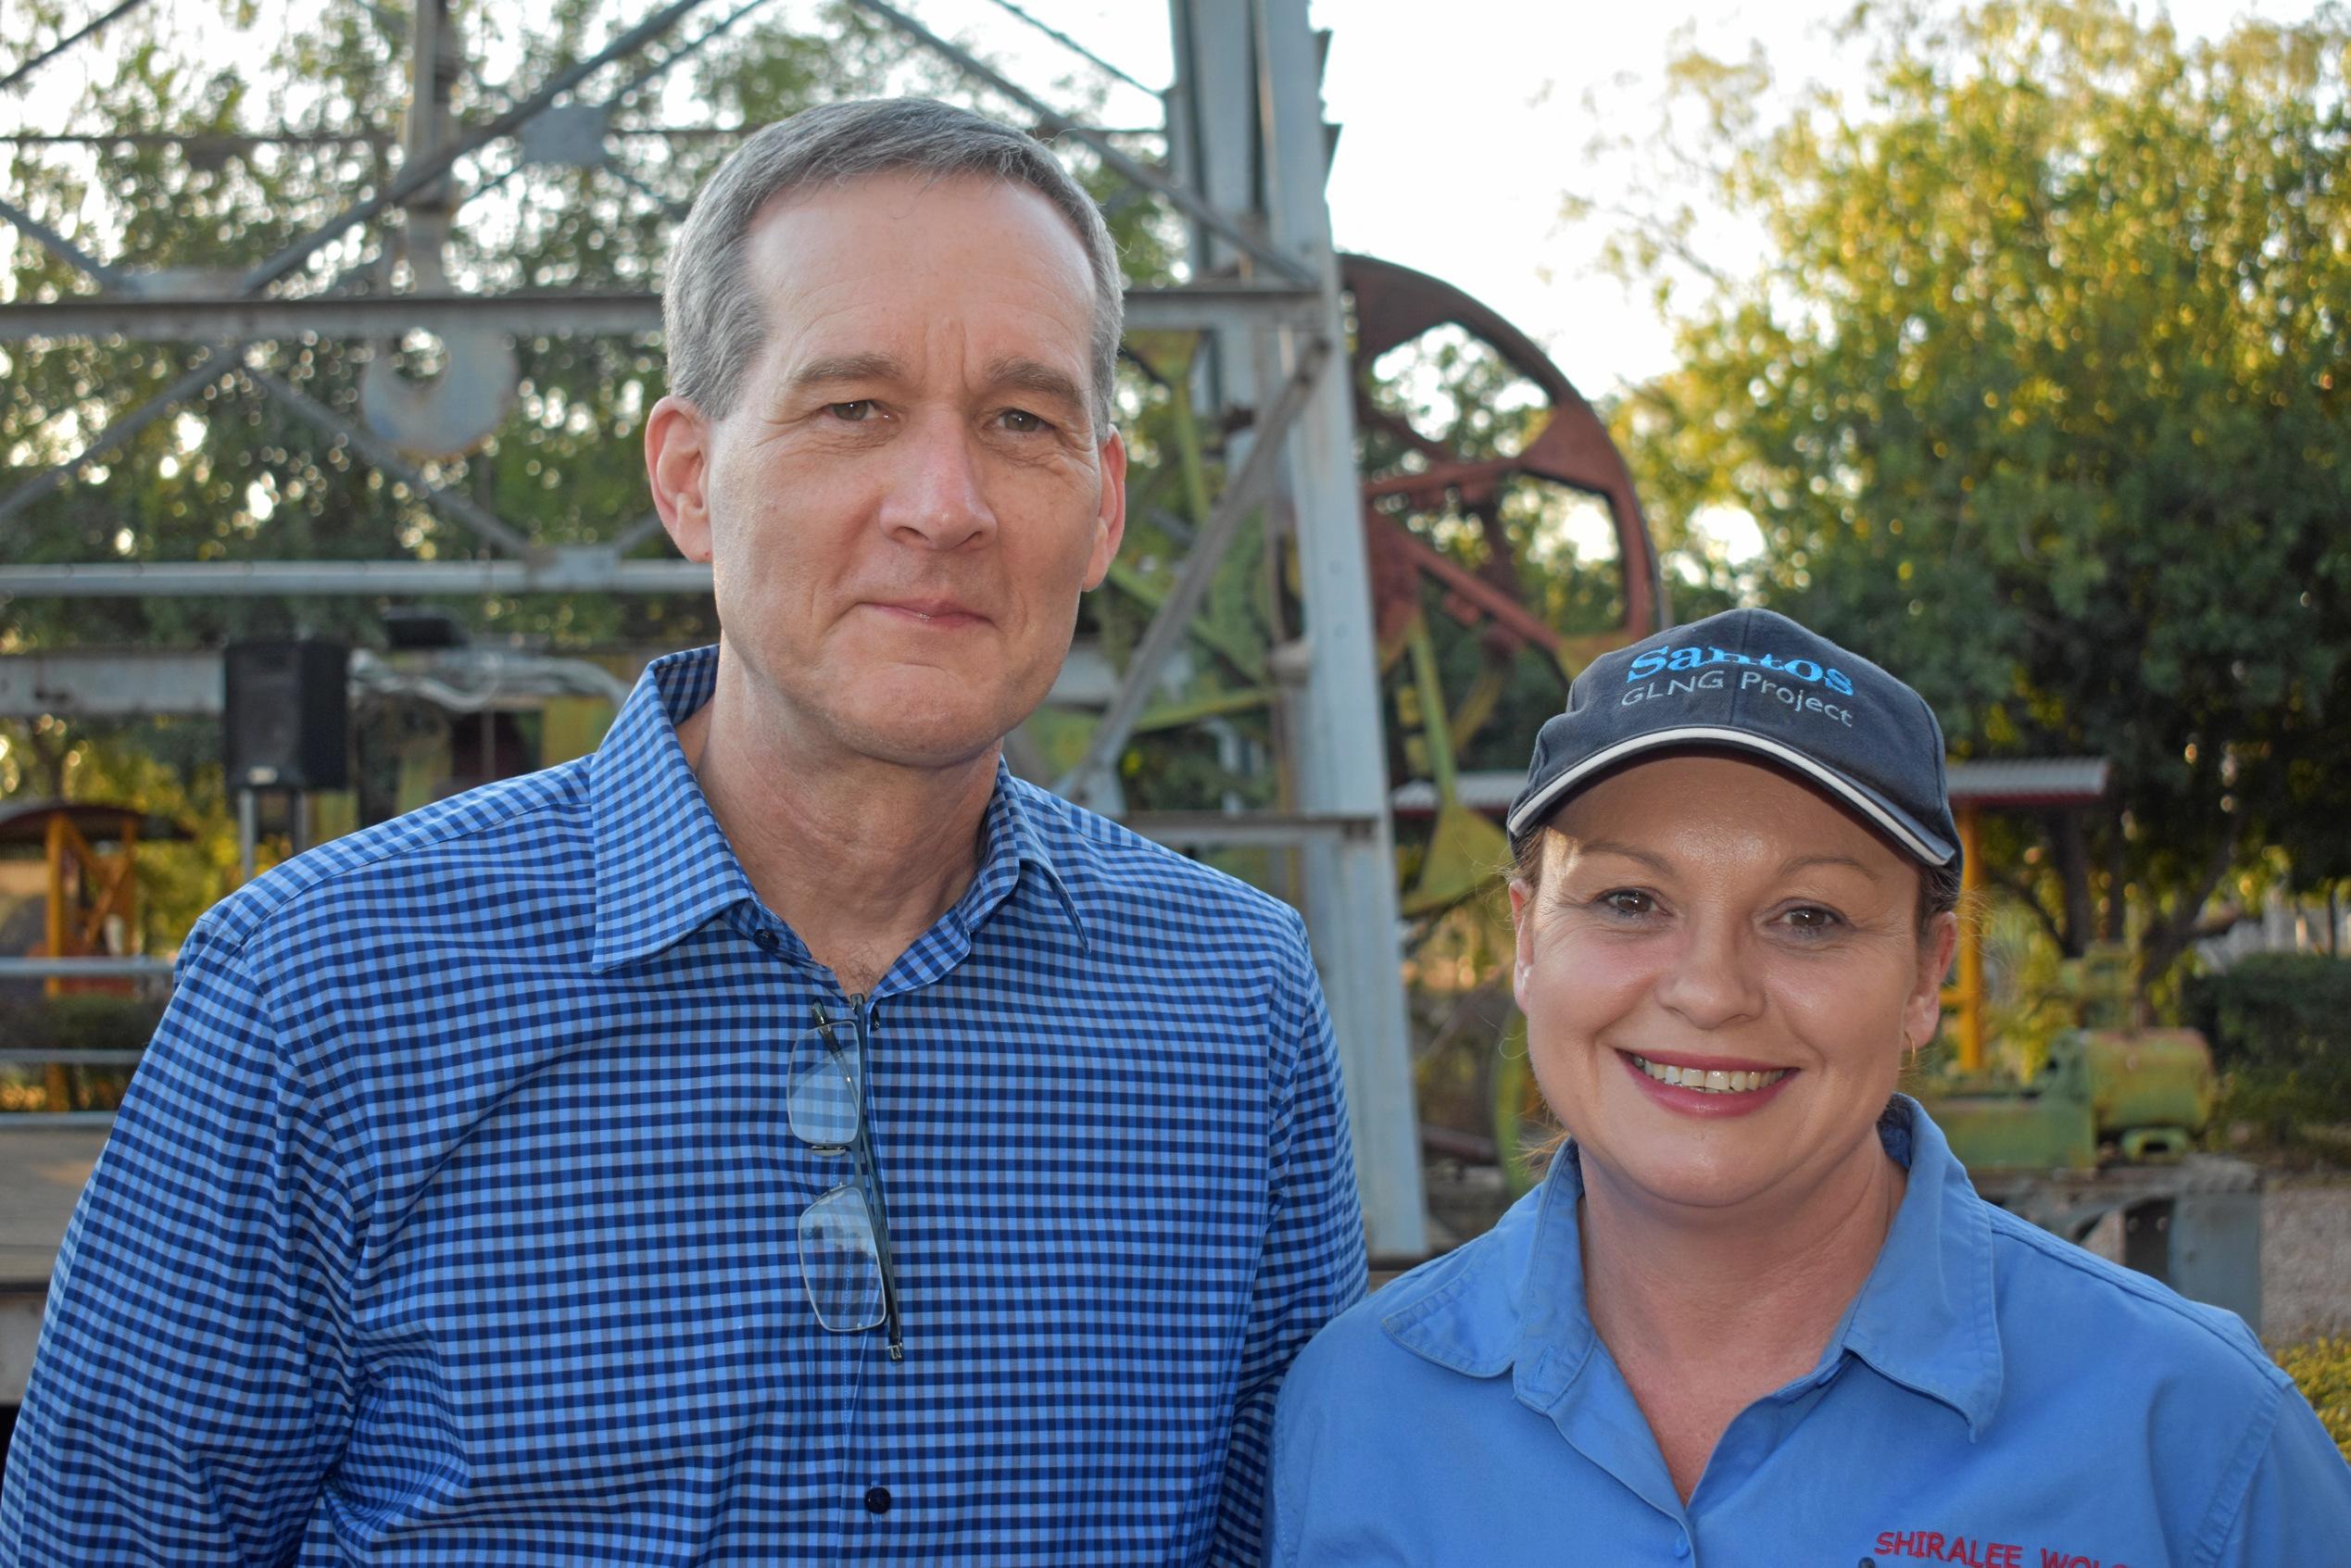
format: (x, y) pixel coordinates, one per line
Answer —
(2138, 1095)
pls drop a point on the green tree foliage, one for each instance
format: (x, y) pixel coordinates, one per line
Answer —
(2038, 395)
(2322, 1369)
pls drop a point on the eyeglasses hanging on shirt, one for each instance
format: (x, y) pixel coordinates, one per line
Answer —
(845, 1235)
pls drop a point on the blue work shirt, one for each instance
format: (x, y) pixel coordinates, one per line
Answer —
(1993, 1398)
(450, 1216)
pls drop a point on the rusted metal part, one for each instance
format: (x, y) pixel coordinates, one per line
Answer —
(1398, 549)
(1395, 305)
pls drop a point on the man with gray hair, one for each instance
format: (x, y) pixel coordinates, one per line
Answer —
(783, 1137)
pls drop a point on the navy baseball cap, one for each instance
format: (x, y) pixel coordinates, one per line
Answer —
(1748, 679)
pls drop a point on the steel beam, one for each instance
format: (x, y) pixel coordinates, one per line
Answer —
(85, 969)
(210, 367)
(684, 51)
(1245, 491)
(202, 141)
(379, 452)
(108, 683)
(1186, 201)
(1212, 306)
(71, 1058)
(1074, 48)
(67, 42)
(1249, 129)
(414, 178)
(1257, 830)
(81, 261)
(566, 569)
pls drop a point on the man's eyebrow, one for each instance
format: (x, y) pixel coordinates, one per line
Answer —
(1016, 374)
(828, 369)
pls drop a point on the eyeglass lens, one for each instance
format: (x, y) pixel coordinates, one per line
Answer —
(841, 1261)
(826, 1075)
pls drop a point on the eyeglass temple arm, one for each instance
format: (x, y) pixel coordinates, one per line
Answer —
(862, 1149)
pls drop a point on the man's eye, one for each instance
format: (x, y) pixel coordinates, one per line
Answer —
(850, 412)
(1021, 421)
(1813, 919)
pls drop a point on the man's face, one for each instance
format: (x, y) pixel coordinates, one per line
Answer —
(910, 492)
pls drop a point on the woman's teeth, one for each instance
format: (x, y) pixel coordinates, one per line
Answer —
(1709, 1081)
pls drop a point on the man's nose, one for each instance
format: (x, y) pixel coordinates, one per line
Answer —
(1712, 982)
(935, 497)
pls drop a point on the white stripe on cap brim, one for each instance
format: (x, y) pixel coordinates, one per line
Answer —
(1903, 833)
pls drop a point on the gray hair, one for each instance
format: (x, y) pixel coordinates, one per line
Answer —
(710, 313)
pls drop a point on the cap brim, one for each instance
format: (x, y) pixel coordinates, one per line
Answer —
(1897, 824)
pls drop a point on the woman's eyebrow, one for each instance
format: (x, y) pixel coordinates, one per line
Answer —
(1655, 861)
(1801, 861)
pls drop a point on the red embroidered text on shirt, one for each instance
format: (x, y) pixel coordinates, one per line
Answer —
(1973, 1551)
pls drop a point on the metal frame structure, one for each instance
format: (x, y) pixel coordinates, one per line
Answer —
(1247, 158)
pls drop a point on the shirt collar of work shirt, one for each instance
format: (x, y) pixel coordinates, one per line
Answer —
(1924, 1317)
(664, 867)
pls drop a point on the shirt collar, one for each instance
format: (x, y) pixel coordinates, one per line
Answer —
(663, 865)
(1926, 1317)
(1514, 1301)
(1015, 844)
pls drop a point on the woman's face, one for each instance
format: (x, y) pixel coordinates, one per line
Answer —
(1716, 923)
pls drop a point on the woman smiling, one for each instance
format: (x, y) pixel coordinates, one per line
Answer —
(1755, 1316)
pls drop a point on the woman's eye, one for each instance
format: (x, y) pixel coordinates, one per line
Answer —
(850, 413)
(1626, 901)
(1813, 919)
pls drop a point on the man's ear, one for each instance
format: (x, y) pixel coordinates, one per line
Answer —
(677, 464)
(1110, 520)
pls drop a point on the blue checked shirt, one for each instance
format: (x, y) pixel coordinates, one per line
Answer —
(450, 1217)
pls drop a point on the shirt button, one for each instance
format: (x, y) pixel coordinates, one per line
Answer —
(877, 1500)
(1681, 1544)
(764, 937)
